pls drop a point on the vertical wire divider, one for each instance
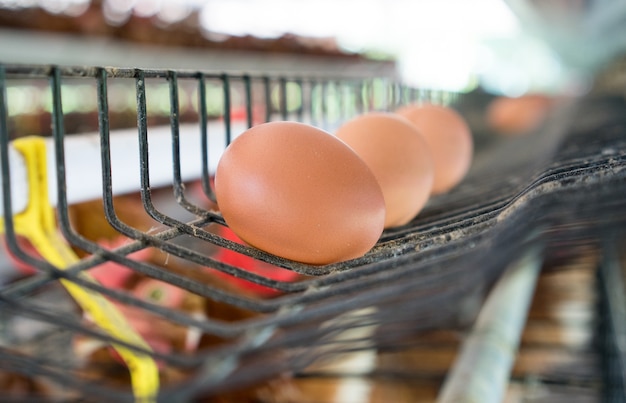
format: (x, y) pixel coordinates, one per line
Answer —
(354, 99)
(370, 95)
(392, 86)
(380, 94)
(482, 368)
(178, 186)
(362, 97)
(359, 107)
(346, 103)
(399, 94)
(227, 108)
(373, 95)
(339, 100)
(357, 94)
(267, 95)
(408, 97)
(324, 104)
(105, 158)
(300, 112)
(282, 87)
(343, 86)
(247, 86)
(105, 145)
(401, 99)
(335, 99)
(331, 103)
(62, 201)
(144, 164)
(388, 94)
(391, 97)
(311, 104)
(172, 79)
(142, 131)
(204, 138)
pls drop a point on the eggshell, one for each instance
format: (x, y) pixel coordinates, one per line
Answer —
(516, 116)
(449, 139)
(398, 156)
(298, 192)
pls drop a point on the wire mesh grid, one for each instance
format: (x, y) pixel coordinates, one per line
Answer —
(558, 187)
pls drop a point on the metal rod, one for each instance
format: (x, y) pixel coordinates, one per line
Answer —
(248, 96)
(268, 99)
(300, 111)
(227, 108)
(282, 85)
(612, 276)
(313, 102)
(482, 369)
(204, 138)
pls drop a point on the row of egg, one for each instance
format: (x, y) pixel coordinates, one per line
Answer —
(301, 193)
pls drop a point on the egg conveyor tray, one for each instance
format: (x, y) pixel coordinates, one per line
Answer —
(560, 186)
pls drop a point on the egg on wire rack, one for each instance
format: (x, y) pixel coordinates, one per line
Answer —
(449, 139)
(298, 192)
(398, 156)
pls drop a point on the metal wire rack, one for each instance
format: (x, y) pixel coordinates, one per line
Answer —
(557, 188)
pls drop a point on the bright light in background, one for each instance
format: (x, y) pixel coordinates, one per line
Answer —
(438, 44)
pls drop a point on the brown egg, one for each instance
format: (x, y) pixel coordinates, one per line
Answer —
(515, 116)
(298, 192)
(449, 139)
(398, 156)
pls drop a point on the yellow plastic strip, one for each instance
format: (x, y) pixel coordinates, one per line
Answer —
(37, 224)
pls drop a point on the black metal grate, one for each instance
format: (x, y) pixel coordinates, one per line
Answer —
(563, 185)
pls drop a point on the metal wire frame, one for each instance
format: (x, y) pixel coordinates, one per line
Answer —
(457, 246)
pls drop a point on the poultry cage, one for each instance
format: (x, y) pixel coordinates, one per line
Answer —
(131, 288)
